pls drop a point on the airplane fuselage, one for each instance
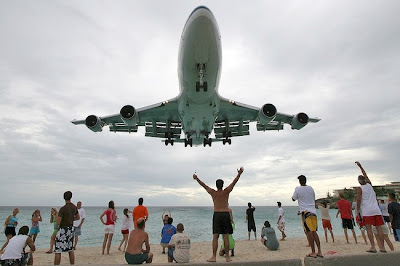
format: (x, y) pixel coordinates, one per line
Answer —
(199, 69)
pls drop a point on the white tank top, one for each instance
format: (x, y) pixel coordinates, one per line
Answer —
(14, 248)
(369, 205)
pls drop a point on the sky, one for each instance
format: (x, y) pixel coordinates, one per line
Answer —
(64, 60)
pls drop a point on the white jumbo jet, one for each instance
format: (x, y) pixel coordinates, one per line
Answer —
(198, 109)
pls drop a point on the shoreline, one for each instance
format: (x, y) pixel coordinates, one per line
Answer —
(245, 250)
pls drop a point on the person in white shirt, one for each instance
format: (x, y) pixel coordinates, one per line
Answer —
(14, 252)
(371, 214)
(305, 196)
(179, 246)
(126, 224)
(281, 220)
(78, 223)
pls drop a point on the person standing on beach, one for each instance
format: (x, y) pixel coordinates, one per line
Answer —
(36, 218)
(10, 224)
(394, 215)
(135, 254)
(126, 224)
(346, 213)
(78, 223)
(281, 220)
(251, 225)
(372, 216)
(221, 218)
(326, 219)
(109, 228)
(139, 211)
(305, 196)
(64, 241)
(53, 216)
(167, 232)
(384, 208)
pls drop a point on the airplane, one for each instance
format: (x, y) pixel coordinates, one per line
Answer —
(198, 110)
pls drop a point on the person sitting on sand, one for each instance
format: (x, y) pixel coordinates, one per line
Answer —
(268, 232)
(135, 254)
(14, 253)
(166, 233)
(221, 218)
(179, 246)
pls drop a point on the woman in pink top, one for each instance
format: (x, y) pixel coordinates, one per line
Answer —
(109, 228)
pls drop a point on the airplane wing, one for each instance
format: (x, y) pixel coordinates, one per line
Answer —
(157, 119)
(234, 118)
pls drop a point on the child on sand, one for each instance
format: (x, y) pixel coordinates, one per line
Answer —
(126, 224)
(36, 218)
(166, 233)
(53, 215)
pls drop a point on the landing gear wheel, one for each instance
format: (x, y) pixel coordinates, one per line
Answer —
(166, 142)
(197, 86)
(205, 87)
(172, 142)
(229, 141)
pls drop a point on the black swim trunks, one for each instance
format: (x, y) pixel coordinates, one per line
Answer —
(222, 223)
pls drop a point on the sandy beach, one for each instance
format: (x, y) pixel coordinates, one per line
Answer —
(291, 248)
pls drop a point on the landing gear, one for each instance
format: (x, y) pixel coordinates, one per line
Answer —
(188, 142)
(169, 140)
(227, 135)
(229, 141)
(199, 86)
(207, 141)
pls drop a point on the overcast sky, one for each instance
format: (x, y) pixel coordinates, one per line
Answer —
(61, 60)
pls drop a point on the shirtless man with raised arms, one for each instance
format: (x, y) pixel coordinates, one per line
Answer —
(135, 254)
(221, 218)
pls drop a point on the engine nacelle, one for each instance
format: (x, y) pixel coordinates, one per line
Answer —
(267, 113)
(299, 121)
(93, 123)
(129, 115)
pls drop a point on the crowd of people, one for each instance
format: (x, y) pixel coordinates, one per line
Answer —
(67, 222)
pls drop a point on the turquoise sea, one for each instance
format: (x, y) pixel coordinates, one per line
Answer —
(197, 222)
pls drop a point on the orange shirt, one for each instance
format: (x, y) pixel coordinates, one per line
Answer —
(139, 211)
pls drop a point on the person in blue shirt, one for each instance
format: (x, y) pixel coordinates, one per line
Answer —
(166, 233)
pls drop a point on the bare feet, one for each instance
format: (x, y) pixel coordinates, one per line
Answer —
(49, 252)
(212, 259)
(228, 259)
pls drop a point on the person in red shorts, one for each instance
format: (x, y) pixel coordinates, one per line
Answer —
(372, 216)
(326, 219)
(346, 213)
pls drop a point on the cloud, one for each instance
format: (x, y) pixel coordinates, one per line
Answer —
(60, 61)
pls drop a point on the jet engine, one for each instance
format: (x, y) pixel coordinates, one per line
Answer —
(267, 113)
(129, 115)
(93, 123)
(299, 121)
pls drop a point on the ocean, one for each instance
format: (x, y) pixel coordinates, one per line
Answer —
(196, 220)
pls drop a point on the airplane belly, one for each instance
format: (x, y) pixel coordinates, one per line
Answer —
(200, 59)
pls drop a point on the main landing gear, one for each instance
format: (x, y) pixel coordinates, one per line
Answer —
(207, 141)
(227, 136)
(169, 140)
(188, 142)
